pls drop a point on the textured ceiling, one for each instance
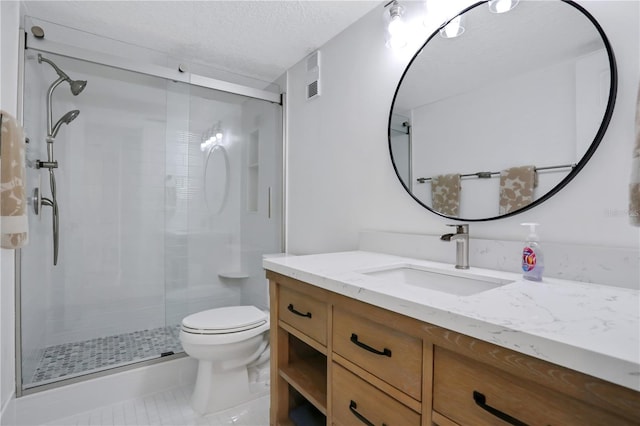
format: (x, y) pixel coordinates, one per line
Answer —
(259, 39)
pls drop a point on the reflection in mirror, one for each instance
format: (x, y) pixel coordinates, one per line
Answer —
(400, 140)
(216, 178)
(500, 118)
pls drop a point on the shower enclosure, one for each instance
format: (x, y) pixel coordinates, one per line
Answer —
(168, 194)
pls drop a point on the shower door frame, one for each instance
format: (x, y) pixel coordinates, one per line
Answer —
(46, 46)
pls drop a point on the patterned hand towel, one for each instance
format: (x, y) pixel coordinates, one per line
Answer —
(516, 187)
(634, 184)
(445, 194)
(13, 204)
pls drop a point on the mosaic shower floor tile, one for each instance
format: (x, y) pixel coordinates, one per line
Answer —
(77, 358)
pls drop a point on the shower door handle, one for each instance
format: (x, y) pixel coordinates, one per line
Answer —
(269, 203)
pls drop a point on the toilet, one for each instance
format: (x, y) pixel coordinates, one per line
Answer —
(225, 341)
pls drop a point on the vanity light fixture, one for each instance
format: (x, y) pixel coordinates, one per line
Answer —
(454, 28)
(211, 137)
(501, 6)
(397, 28)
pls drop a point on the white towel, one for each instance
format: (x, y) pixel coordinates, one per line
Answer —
(634, 184)
(445, 194)
(14, 226)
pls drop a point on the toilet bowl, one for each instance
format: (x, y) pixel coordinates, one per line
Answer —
(225, 341)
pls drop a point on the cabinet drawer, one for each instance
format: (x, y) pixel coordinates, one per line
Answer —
(304, 313)
(466, 391)
(388, 354)
(356, 402)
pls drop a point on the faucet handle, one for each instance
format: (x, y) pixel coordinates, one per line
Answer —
(462, 228)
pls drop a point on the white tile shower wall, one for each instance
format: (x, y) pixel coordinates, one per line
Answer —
(602, 265)
(213, 236)
(110, 276)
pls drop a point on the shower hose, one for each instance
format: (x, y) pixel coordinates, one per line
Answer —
(53, 203)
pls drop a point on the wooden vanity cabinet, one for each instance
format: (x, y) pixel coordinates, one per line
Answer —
(299, 365)
(469, 392)
(359, 364)
(355, 363)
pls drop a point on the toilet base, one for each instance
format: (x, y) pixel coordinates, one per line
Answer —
(218, 390)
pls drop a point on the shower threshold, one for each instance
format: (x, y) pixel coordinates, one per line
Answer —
(71, 360)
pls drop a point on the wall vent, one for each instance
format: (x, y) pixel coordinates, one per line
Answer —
(313, 75)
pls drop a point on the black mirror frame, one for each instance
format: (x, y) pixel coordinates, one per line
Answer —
(613, 89)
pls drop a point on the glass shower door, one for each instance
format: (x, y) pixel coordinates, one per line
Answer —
(103, 305)
(224, 180)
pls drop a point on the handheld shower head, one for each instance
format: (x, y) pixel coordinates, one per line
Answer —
(77, 86)
(66, 119)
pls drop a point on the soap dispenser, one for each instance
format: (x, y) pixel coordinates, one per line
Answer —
(532, 257)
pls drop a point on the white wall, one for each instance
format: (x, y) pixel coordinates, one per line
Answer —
(9, 22)
(340, 178)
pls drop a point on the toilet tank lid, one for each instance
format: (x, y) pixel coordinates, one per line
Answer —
(226, 318)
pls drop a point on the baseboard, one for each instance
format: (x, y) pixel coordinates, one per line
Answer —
(65, 401)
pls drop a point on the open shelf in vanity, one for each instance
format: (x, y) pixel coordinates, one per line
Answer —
(306, 372)
(301, 366)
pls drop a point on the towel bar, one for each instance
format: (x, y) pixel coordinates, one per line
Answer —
(488, 175)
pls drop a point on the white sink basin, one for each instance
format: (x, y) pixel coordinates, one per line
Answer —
(461, 283)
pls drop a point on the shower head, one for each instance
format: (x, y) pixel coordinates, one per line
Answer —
(76, 85)
(66, 119)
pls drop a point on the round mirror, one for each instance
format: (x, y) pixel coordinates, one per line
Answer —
(497, 120)
(216, 178)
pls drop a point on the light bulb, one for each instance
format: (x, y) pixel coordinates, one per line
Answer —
(397, 42)
(396, 26)
(501, 6)
(453, 29)
(219, 135)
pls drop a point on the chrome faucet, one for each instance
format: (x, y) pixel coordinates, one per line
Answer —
(461, 238)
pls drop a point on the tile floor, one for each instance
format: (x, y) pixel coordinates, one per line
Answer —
(169, 408)
(77, 358)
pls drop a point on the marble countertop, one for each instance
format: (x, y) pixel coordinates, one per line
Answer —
(590, 328)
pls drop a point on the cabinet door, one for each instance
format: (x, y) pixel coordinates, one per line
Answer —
(387, 353)
(356, 402)
(473, 393)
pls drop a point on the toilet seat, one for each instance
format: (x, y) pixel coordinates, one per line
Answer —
(231, 319)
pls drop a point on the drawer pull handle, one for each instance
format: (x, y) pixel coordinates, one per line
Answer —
(481, 401)
(353, 408)
(385, 351)
(292, 309)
